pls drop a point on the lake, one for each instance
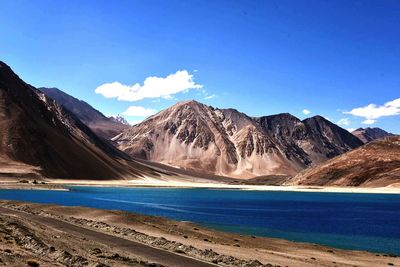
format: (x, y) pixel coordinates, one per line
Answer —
(343, 220)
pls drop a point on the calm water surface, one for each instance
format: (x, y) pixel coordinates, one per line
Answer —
(343, 220)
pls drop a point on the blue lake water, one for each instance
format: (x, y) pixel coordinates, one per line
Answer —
(343, 220)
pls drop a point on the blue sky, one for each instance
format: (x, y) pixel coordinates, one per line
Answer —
(260, 57)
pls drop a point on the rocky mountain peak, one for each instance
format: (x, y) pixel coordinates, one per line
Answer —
(119, 119)
(369, 134)
(187, 103)
(228, 142)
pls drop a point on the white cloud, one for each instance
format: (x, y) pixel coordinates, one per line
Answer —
(372, 112)
(351, 129)
(153, 87)
(394, 103)
(369, 121)
(210, 97)
(134, 122)
(344, 121)
(139, 111)
(306, 111)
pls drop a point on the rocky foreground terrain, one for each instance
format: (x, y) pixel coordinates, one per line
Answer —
(75, 236)
(226, 142)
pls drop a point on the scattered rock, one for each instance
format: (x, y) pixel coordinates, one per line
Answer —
(96, 251)
(180, 251)
(33, 263)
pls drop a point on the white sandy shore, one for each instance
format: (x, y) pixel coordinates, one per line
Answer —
(149, 182)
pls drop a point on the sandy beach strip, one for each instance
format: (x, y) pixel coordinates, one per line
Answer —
(150, 182)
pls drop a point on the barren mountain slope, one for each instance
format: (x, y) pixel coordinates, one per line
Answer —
(226, 142)
(312, 140)
(97, 122)
(35, 130)
(369, 134)
(372, 165)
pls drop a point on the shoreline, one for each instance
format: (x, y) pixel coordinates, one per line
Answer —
(209, 227)
(200, 242)
(62, 185)
(211, 185)
(15, 185)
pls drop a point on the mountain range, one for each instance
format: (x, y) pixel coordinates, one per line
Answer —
(47, 133)
(226, 142)
(36, 131)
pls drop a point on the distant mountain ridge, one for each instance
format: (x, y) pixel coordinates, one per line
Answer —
(94, 119)
(227, 142)
(375, 164)
(369, 134)
(119, 119)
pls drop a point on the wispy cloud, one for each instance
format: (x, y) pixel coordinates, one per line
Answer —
(210, 96)
(344, 122)
(372, 112)
(152, 87)
(306, 111)
(138, 111)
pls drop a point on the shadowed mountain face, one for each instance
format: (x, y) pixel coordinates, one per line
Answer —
(226, 142)
(100, 124)
(369, 134)
(375, 164)
(37, 131)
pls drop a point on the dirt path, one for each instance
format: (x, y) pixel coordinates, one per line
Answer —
(146, 252)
